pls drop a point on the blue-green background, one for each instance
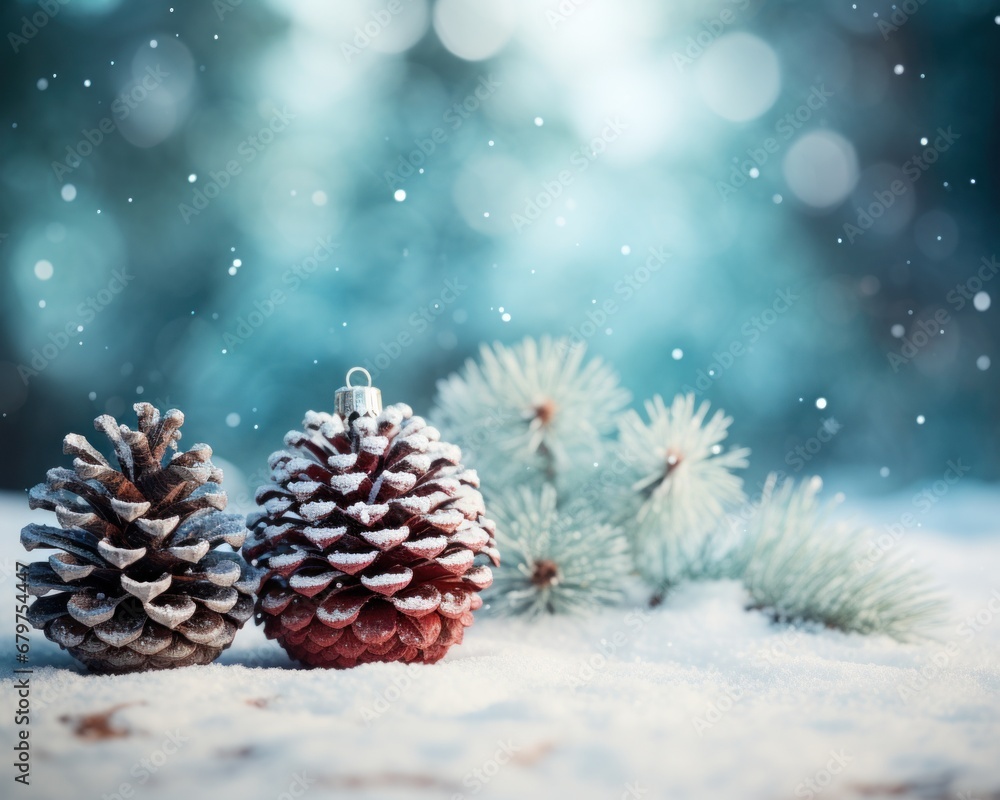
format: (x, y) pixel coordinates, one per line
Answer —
(550, 76)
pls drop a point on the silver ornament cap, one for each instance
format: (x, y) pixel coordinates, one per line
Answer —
(360, 400)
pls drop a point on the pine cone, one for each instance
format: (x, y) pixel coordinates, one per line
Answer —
(369, 538)
(140, 583)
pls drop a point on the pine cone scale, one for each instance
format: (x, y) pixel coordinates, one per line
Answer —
(387, 506)
(138, 584)
(122, 629)
(154, 639)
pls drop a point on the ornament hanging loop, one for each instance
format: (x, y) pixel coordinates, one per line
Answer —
(360, 400)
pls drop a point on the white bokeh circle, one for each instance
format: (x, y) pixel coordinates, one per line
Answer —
(739, 77)
(821, 168)
(474, 31)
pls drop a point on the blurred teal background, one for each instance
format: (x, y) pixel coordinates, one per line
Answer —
(222, 206)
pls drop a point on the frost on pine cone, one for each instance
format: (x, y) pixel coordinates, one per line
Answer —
(140, 583)
(369, 535)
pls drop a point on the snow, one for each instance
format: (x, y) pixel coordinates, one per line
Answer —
(412, 504)
(388, 582)
(340, 613)
(146, 590)
(374, 444)
(346, 484)
(349, 558)
(159, 529)
(221, 571)
(418, 463)
(367, 514)
(414, 442)
(286, 561)
(458, 561)
(342, 461)
(321, 537)
(303, 489)
(277, 505)
(696, 698)
(310, 585)
(192, 553)
(386, 538)
(317, 509)
(416, 601)
(399, 481)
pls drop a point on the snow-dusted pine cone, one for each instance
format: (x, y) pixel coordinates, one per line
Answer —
(369, 535)
(140, 583)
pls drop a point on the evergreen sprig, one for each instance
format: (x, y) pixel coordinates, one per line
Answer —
(569, 470)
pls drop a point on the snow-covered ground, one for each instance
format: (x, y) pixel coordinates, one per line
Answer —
(694, 699)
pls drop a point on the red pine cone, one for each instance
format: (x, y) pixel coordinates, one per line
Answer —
(369, 535)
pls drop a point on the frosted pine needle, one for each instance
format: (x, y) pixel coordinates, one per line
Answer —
(800, 566)
(552, 562)
(682, 485)
(532, 410)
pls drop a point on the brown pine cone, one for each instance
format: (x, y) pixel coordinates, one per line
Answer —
(140, 582)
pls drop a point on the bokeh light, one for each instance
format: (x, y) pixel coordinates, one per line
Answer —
(228, 204)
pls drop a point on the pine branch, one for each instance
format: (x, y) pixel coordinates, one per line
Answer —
(532, 412)
(681, 485)
(553, 562)
(798, 565)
